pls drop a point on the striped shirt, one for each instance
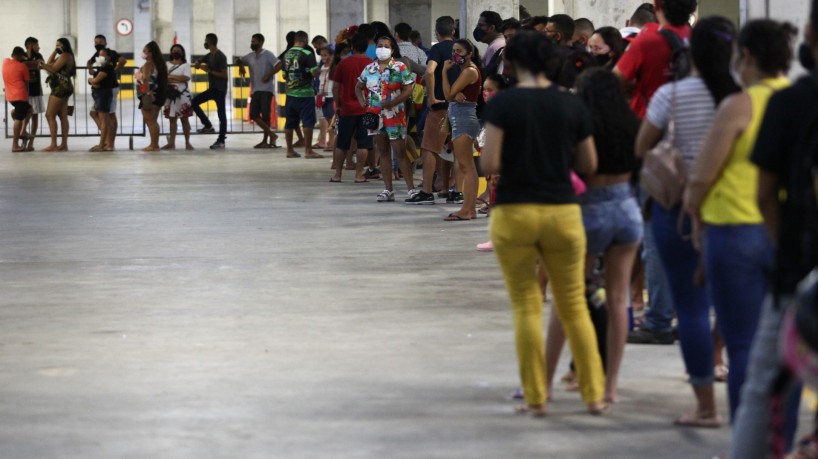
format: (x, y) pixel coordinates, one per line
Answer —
(695, 109)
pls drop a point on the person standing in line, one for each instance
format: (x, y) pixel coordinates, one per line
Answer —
(416, 40)
(102, 84)
(180, 107)
(300, 68)
(462, 95)
(263, 66)
(215, 65)
(118, 62)
(384, 87)
(15, 79)
(326, 110)
(583, 29)
(62, 68)
(349, 111)
(35, 87)
(537, 215)
(488, 31)
(153, 87)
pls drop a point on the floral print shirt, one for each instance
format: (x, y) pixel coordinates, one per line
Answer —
(386, 86)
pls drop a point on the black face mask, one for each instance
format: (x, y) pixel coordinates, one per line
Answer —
(176, 56)
(602, 59)
(59, 50)
(805, 57)
(254, 47)
(479, 34)
(206, 46)
(99, 47)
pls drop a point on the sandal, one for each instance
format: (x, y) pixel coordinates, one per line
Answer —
(720, 372)
(456, 218)
(694, 420)
(536, 411)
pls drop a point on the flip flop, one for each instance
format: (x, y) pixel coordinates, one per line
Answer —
(294, 155)
(525, 409)
(332, 180)
(361, 181)
(314, 156)
(456, 218)
(692, 420)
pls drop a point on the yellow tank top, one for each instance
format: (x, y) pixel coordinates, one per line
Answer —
(732, 199)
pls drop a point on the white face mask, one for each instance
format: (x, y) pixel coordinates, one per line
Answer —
(383, 53)
(101, 60)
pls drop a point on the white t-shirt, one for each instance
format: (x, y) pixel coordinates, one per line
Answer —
(182, 70)
(325, 83)
(695, 109)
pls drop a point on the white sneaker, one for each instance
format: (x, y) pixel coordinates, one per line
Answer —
(411, 193)
(386, 196)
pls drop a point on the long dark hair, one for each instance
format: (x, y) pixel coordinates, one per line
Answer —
(181, 50)
(533, 51)
(615, 125)
(470, 48)
(161, 67)
(66, 49)
(711, 47)
(613, 38)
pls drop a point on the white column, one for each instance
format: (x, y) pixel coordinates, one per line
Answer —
(142, 28)
(225, 28)
(246, 20)
(319, 20)
(344, 13)
(183, 23)
(162, 19)
(86, 30)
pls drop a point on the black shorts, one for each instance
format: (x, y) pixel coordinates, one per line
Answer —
(21, 109)
(350, 127)
(261, 104)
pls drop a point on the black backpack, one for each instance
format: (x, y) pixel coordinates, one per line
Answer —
(680, 58)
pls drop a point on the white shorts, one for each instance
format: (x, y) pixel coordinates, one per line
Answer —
(37, 105)
(114, 101)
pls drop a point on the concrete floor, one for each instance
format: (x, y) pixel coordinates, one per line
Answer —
(237, 305)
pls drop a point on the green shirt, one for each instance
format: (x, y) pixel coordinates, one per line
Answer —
(299, 65)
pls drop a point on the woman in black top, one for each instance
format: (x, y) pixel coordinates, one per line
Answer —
(535, 135)
(102, 90)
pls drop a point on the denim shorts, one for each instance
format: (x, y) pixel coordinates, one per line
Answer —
(611, 216)
(463, 118)
(102, 99)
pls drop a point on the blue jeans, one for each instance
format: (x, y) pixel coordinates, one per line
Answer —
(218, 97)
(679, 260)
(736, 258)
(659, 315)
(751, 426)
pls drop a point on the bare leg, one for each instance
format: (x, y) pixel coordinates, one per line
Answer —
(17, 129)
(288, 137)
(64, 127)
(322, 133)
(153, 127)
(382, 143)
(171, 135)
(96, 117)
(54, 106)
(403, 162)
(35, 118)
(468, 172)
(430, 161)
(308, 152)
(338, 163)
(113, 125)
(103, 129)
(268, 134)
(618, 268)
(186, 131)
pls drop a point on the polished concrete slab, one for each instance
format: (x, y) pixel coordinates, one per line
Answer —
(235, 304)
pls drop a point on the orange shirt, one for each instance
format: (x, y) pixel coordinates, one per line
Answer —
(15, 77)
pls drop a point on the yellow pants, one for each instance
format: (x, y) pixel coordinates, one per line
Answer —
(521, 233)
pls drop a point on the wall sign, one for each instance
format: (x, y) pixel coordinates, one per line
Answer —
(124, 27)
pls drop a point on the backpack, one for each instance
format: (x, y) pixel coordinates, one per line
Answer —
(680, 58)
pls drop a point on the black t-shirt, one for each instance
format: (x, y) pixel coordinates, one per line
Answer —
(113, 59)
(217, 61)
(440, 53)
(789, 123)
(35, 87)
(541, 128)
(109, 82)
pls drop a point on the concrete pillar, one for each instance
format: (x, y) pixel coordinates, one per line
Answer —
(142, 28)
(417, 13)
(183, 23)
(440, 8)
(105, 21)
(225, 28)
(377, 10)
(162, 21)
(269, 27)
(86, 30)
(344, 13)
(204, 22)
(122, 9)
(293, 15)
(319, 20)
(246, 20)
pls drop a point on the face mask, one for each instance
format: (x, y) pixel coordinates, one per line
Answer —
(479, 34)
(206, 47)
(145, 56)
(805, 57)
(59, 50)
(458, 59)
(176, 56)
(99, 47)
(101, 61)
(383, 53)
(254, 47)
(487, 95)
(602, 59)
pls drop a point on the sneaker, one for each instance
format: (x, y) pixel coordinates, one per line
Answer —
(645, 336)
(386, 196)
(412, 192)
(373, 174)
(206, 130)
(217, 146)
(457, 197)
(421, 198)
(449, 195)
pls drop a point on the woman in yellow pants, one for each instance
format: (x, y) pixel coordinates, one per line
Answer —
(535, 134)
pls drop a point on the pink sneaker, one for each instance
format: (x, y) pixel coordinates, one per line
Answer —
(485, 247)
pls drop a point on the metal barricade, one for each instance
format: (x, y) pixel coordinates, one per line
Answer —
(130, 121)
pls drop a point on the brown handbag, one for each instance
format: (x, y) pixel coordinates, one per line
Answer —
(664, 173)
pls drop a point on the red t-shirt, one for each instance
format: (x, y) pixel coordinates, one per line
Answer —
(647, 63)
(15, 77)
(346, 74)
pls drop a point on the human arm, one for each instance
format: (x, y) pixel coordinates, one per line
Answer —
(274, 68)
(768, 204)
(406, 89)
(585, 158)
(120, 63)
(731, 120)
(492, 149)
(183, 77)
(95, 81)
(55, 65)
(360, 94)
(336, 95)
(429, 80)
(467, 77)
